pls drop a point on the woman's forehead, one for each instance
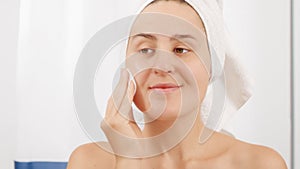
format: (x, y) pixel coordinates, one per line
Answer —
(167, 25)
(181, 10)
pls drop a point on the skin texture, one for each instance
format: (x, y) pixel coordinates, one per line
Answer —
(220, 151)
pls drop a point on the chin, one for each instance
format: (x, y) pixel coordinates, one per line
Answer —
(169, 114)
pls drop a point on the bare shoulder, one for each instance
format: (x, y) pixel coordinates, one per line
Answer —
(90, 156)
(255, 156)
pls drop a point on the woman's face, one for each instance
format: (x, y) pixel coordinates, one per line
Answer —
(161, 79)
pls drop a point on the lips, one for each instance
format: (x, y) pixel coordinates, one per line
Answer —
(165, 87)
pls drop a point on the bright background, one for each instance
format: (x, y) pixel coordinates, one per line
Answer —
(40, 41)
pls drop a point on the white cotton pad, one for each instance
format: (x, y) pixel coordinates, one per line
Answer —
(131, 79)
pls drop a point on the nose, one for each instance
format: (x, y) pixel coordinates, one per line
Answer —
(163, 65)
(162, 71)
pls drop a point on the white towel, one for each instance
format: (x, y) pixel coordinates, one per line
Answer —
(237, 83)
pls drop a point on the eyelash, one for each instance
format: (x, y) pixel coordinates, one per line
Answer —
(187, 50)
(142, 51)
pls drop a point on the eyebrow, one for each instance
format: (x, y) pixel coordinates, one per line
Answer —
(145, 35)
(174, 37)
(177, 36)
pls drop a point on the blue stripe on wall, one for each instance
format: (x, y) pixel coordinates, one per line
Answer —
(40, 165)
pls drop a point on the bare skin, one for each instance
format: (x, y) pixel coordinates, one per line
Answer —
(226, 154)
(220, 151)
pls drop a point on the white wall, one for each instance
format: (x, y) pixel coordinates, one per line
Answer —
(49, 44)
(9, 11)
(261, 32)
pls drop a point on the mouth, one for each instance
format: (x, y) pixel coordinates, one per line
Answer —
(165, 87)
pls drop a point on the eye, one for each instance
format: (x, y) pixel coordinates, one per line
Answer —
(181, 50)
(147, 51)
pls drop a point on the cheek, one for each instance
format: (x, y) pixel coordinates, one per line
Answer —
(202, 87)
(141, 80)
(140, 97)
(202, 78)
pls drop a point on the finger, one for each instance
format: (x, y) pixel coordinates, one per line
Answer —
(115, 102)
(125, 108)
(122, 97)
(130, 95)
(120, 90)
(110, 109)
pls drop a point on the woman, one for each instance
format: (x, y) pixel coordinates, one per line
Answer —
(160, 87)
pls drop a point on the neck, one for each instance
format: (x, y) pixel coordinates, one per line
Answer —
(189, 148)
(190, 135)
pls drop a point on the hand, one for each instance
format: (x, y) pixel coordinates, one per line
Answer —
(119, 125)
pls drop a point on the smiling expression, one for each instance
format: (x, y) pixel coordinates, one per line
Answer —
(173, 50)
